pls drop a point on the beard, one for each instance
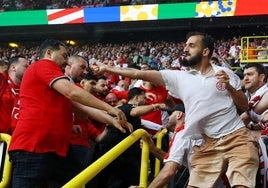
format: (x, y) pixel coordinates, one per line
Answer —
(192, 61)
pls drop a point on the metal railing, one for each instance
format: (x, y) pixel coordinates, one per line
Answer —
(159, 139)
(91, 171)
(5, 163)
(250, 49)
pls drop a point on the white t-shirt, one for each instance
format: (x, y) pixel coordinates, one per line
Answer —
(209, 107)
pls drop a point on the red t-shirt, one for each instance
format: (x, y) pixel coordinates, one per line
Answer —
(156, 115)
(112, 79)
(89, 131)
(15, 114)
(93, 131)
(9, 97)
(45, 120)
(120, 94)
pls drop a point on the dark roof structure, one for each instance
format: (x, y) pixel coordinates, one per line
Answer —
(170, 20)
(124, 31)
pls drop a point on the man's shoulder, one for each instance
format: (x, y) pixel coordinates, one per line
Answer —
(126, 106)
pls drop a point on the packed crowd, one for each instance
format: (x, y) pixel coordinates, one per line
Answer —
(139, 84)
(11, 5)
(158, 54)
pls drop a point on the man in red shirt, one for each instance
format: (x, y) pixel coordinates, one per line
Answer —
(9, 90)
(102, 89)
(80, 151)
(42, 135)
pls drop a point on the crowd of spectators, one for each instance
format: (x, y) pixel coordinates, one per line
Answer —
(157, 54)
(7, 5)
(143, 55)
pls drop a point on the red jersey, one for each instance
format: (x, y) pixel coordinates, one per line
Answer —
(156, 115)
(45, 120)
(89, 131)
(15, 114)
(120, 94)
(112, 79)
(100, 126)
(9, 96)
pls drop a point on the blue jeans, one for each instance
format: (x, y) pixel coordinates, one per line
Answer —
(34, 170)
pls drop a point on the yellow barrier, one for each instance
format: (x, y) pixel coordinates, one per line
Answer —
(235, 68)
(6, 177)
(250, 52)
(159, 138)
(90, 172)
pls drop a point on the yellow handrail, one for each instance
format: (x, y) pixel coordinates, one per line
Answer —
(87, 174)
(6, 177)
(159, 138)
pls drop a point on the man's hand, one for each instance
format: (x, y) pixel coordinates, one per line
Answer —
(118, 114)
(238, 96)
(161, 106)
(98, 68)
(150, 141)
(122, 126)
(223, 77)
(120, 121)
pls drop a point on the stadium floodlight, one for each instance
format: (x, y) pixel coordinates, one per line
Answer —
(71, 42)
(13, 45)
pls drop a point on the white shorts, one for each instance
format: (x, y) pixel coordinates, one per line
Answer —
(181, 149)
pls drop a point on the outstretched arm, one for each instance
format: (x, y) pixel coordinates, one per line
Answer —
(103, 117)
(81, 96)
(150, 75)
(144, 109)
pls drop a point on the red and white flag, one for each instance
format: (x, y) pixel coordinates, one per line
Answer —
(65, 16)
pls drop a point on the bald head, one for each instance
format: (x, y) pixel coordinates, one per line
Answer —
(123, 84)
(76, 67)
(175, 119)
(111, 99)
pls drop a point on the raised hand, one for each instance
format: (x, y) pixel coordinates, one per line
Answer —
(223, 77)
(97, 68)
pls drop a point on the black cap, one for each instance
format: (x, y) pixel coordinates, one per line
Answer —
(178, 107)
